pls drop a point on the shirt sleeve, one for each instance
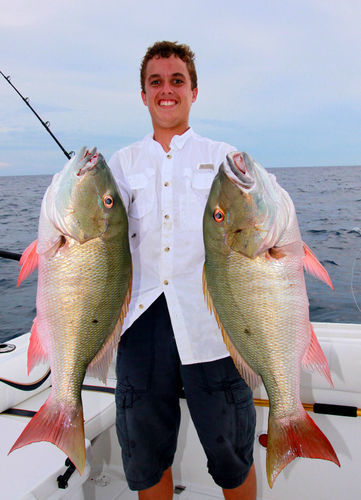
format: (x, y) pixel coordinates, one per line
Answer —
(117, 169)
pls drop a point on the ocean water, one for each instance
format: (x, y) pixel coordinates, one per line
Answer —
(328, 205)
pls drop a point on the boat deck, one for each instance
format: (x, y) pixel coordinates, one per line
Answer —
(109, 485)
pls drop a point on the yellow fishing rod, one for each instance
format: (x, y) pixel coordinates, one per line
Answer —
(321, 408)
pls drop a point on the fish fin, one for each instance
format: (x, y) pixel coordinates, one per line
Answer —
(314, 267)
(249, 376)
(314, 358)
(291, 437)
(99, 366)
(36, 352)
(28, 261)
(246, 372)
(60, 424)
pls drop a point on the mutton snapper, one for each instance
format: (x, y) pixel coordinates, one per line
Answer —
(84, 286)
(254, 283)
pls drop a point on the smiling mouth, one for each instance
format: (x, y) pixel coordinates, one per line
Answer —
(167, 102)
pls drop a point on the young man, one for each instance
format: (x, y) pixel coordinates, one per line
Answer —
(171, 340)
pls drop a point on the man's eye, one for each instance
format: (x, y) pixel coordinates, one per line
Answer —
(178, 81)
(154, 82)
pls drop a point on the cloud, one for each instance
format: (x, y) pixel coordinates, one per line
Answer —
(7, 130)
(4, 164)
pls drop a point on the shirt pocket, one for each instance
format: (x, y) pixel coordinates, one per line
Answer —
(194, 201)
(142, 187)
(141, 207)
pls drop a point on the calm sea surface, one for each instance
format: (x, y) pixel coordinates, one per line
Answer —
(328, 204)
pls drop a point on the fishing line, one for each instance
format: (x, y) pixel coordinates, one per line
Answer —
(46, 125)
(356, 276)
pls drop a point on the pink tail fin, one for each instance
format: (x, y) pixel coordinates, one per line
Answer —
(61, 425)
(289, 438)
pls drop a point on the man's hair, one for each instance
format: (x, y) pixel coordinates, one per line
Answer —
(166, 49)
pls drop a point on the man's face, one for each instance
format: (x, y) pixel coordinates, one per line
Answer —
(168, 93)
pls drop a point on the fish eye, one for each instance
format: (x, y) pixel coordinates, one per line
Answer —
(218, 215)
(108, 201)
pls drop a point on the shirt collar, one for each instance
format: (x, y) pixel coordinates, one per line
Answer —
(177, 141)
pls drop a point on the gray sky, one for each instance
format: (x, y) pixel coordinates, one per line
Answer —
(278, 79)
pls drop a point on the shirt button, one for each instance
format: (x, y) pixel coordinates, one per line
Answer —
(165, 282)
(169, 156)
(166, 183)
(166, 216)
(141, 306)
(166, 249)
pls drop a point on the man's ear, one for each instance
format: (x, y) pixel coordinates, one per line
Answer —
(194, 94)
(144, 98)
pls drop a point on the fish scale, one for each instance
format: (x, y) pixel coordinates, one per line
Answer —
(261, 294)
(71, 294)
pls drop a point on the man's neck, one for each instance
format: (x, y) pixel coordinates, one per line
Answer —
(164, 136)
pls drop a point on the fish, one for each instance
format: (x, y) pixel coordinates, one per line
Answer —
(83, 292)
(253, 282)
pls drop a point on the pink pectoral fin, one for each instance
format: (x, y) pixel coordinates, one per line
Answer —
(28, 261)
(313, 266)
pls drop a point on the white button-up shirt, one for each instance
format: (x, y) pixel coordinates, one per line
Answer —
(165, 195)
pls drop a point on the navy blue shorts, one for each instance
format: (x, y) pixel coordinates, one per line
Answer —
(150, 382)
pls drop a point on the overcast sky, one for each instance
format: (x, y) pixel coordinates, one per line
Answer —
(280, 79)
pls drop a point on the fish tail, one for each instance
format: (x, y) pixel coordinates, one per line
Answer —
(293, 437)
(60, 424)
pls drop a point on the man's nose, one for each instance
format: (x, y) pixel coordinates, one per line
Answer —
(167, 88)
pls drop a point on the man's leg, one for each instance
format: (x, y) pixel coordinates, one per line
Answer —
(147, 398)
(160, 491)
(221, 407)
(246, 491)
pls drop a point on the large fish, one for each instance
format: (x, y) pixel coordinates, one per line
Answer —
(254, 283)
(84, 286)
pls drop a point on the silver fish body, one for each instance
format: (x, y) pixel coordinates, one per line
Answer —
(254, 283)
(84, 286)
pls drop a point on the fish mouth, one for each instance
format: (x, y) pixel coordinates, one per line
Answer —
(238, 162)
(237, 171)
(88, 161)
